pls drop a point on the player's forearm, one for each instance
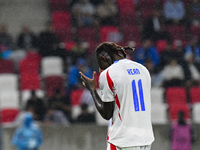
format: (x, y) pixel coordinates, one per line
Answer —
(101, 107)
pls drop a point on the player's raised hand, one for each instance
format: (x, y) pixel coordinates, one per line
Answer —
(90, 84)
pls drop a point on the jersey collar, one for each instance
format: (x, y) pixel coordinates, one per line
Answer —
(116, 61)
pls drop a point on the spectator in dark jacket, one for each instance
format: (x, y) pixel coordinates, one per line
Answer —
(154, 27)
(60, 102)
(38, 106)
(47, 40)
(5, 38)
(85, 116)
(27, 39)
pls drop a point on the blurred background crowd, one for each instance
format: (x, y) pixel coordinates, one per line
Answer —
(39, 72)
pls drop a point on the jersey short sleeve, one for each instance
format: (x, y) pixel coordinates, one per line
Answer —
(106, 86)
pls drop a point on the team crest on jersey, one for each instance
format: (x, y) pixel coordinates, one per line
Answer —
(133, 71)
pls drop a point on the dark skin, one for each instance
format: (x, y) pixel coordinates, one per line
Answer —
(105, 108)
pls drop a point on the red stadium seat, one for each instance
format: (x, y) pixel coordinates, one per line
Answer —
(69, 45)
(147, 4)
(109, 33)
(56, 5)
(126, 6)
(177, 32)
(28, 65)
(53, 82)
(61, 19)
(87, 34)
(174, 110)
(146, 8)
(131, 32)
(62, 25)
(29, 81)
(33, 55)
(146, 14)
(195, 31)
(161, 45)
(92, 47)
(194, 94)
(176, 95)
(75, 96)
(6, 66)
(126, 11)
(8, 115)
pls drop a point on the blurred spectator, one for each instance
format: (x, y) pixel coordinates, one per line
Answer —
(27, 39)
(20, 117)
(60, 102)
(28, 136)
(57, 50)
(6, 41)
(166, 55)
(195, 75)
(154, 27)
(72, 3)
(174, 12)
(16, 56)
(192, 52)
(74, 80)
(193, 12)
(173, 74)
(85, 116)
(77, 51)
(156, 77)
(55, 117)
(38, 106)
(147, 51)
(47, 40)
(182, 134)
(192, 57)
(83, 12)
(86, 98)
(177, 53)
(96, 2)
(107, 13)
(5, 52)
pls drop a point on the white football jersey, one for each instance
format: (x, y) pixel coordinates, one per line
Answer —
(128, 83)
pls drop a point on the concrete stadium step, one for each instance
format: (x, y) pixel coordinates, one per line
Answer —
(16, 13)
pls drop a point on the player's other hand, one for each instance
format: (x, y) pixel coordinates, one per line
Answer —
(90, 84)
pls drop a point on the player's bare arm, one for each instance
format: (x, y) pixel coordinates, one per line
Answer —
(105, 109)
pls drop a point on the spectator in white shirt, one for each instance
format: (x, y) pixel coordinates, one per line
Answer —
(173, 74)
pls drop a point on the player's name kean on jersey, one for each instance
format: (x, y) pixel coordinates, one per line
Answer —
(133, 71)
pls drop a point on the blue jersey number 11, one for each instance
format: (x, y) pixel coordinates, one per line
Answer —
(135, 96)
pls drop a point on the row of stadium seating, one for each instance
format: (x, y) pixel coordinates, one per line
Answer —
(127, 8)
(131, 32)
(164, 106)
(167, 103)
(61, 19)
(33, 64)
